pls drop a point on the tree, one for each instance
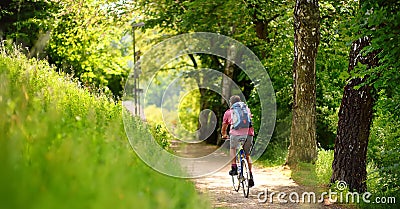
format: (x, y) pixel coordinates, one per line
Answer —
(91, 40)
(332, 64)
(303, 146)
(355, 117)
(250, 22)
(27, 23)
(377, 26)
(85, 38)
(383, 26)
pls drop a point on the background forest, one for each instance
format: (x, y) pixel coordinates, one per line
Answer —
(93, 42)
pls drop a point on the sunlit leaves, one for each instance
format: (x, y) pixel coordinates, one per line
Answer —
(88, 40)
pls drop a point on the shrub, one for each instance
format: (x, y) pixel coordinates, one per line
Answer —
(62, 147)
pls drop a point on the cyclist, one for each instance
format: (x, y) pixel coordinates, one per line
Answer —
(235, 135)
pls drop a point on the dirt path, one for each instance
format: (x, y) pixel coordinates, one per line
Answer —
(267, 180)
(218, 185)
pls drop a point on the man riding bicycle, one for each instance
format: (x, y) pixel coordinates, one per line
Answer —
(235, 135)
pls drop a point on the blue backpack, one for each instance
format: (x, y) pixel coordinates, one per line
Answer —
(240, 116)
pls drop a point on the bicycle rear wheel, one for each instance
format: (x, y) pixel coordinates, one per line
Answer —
(245, 177)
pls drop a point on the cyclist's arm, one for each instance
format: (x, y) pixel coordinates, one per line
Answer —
(223, 131)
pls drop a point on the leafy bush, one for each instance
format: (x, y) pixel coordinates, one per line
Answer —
(62, 147)
(315, 175)
(323, 166)
(383, 150)
(161, 134)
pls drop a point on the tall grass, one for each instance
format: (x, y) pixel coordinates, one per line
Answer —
(274, 155)
(316, 176)
(62, 147)
(323, 166)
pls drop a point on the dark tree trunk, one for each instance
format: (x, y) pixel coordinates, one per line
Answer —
(303, 146)
(204, 118)
(261, 25)
(355, 116)
(208, 100)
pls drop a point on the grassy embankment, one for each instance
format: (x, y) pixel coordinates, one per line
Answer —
(62, 147)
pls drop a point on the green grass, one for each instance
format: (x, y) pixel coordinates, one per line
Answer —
(62, 147)
(315, 175)
(274, 155)
(317, 178)
(304, 174)
(323, 166)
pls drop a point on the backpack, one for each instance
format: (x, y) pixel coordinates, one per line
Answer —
(240, 116)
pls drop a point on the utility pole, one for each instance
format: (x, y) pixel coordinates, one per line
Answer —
(135, 72)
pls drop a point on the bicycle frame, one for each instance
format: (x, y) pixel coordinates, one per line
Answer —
(241, 160)
(240, 149)
(240, 154)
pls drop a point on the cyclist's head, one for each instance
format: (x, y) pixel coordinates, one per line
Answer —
(234, 99)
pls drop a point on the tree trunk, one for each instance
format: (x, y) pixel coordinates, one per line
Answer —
(303, 146)
(208, 101)
(355, 116)
(229, 69)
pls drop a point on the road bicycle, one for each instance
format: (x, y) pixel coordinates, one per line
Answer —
(242, 179)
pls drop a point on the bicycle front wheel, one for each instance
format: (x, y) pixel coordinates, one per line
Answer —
(236, 178)
(245, 177)
(236, 183)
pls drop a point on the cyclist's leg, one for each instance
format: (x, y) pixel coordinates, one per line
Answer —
(234, 142)
(249, 162)
(247, 148)
(232, 154)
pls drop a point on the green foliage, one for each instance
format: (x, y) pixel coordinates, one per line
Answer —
(383, 150)
(380, 20)
(382, 169)
(305, 174)
(89, 39)
(274, 155)
(274, 46)
(189, 111)
(378, 187)
(92, 42)
(161, 134)
(25, 22)
(239, 21)
(280, 72)
(315, 175)
(62, 147)
(179, 111)
(198, 15)
(323, 166)
(332, 65)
